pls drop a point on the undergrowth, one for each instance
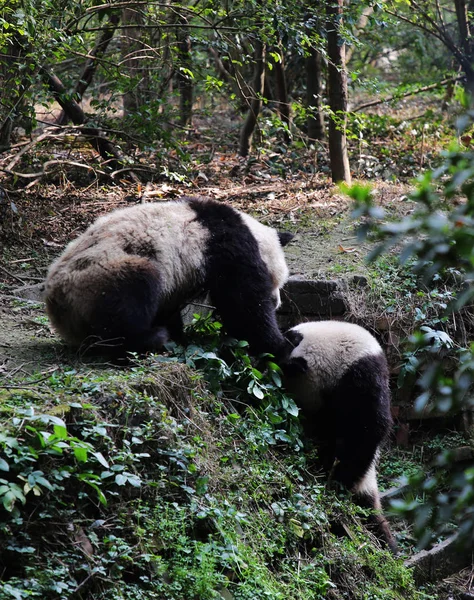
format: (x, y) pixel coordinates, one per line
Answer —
(182, 476)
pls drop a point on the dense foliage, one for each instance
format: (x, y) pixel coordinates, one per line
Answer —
(437, 243)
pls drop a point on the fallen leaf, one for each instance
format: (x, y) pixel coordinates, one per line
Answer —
(348, 250)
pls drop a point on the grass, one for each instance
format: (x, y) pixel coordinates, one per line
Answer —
(174, 478)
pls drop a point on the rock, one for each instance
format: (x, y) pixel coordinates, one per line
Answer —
(307, 300)
(463, 454)
(442, 560)
(360, 281)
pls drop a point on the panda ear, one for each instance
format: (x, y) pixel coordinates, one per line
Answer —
(294, 367)
(285, 237)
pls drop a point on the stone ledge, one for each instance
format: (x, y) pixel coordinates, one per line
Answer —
(307, 300)
(442, 560)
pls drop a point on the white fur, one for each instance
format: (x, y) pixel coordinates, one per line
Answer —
(331, 347)
(271, 253)
(176, 235)
(368, 484)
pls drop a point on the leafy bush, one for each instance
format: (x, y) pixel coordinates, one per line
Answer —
(437, 241)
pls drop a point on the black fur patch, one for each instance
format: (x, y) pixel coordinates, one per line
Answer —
(294, 337)
(125, 309)
(285, 237)
(138, 247)
(237, 278)
(294, 367)
(355, 418)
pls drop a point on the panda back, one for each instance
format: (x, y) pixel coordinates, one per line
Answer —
(167, 234)
(330, 348)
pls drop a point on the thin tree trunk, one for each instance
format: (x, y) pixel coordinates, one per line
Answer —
(136, 95)
(185, 80)
(337, 95)
(258, 85)
(12, 93)
(92, 63)
(281, 91)
(315, 121)
(467, 45)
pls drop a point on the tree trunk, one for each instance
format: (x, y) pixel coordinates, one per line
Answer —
(92, 63)
(281, 92)
(258, 85)
(185, 77)
(12, 95)
(337, 95)
(467, 46)
(136, 96)
(315, 121)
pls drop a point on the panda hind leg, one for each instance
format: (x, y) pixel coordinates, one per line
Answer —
(355, 469)
(125, 312)
(366, 494)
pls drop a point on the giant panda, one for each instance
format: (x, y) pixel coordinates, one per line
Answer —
(338, 375)
(123, 281)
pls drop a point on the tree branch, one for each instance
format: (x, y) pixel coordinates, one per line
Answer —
(425, 88)
(91, 64)
(94, 135)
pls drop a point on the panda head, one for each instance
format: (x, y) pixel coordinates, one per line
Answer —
(270, 243)
(320, 353)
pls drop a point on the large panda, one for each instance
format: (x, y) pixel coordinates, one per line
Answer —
(338, 375)
(124, 280)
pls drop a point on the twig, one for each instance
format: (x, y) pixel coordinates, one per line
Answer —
(20, 260)
(50, 163)
(425, 88)
(7, 272)
(26, 385)
(28, 147)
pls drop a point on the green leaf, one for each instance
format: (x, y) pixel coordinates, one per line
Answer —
(60, 432)
(80, 454)
(8, 501)
(291, 407)
(4, 466)
(99, 456)
(45, 483)
(100, 495)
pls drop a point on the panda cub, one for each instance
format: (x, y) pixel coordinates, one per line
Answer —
(123, 282)
(338, 375)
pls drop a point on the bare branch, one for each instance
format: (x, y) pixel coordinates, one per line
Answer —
(425, 88)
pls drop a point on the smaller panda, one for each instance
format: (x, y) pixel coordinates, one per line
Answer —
(338, 374)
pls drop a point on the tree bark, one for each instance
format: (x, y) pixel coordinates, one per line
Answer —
(258, 85)
(12, 105)
(185, 80)
(136, 96)
(337, 94)
(315, 121)
(92, 63)
(281, 92)
(467, 46)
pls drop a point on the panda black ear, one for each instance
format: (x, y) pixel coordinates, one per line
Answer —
(294, 367)
(285, 237)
